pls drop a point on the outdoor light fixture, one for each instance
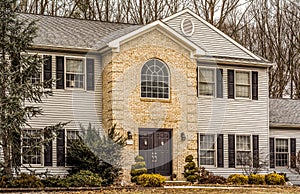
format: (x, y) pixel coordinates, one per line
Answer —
(183, 137)
(129, 135)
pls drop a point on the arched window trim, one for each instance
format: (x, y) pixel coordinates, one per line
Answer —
(169, 80)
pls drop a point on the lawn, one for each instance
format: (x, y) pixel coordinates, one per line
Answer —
(189, 191)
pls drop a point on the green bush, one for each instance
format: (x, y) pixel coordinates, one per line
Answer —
(83, 178)
(237, 179)
(27, 181)
(190, 170)
(256, 179)
(274, 179)
(54, 182)
(138, 168)
(189, 158)
(151, 180)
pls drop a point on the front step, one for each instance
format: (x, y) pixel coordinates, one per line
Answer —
(177, 183)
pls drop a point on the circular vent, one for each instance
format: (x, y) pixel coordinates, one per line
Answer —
(187, 27)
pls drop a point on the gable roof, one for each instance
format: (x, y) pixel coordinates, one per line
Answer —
(158, 25)
(217, 43)
(73, 33)
(284, 112)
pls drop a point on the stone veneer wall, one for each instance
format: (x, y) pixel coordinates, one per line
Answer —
(121, 95)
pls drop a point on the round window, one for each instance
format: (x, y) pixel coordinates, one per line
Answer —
(187, 27)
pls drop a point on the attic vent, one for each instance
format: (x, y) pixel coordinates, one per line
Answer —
(187, 27)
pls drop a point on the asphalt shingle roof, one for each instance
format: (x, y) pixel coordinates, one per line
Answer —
(79, 33)
(284, 111)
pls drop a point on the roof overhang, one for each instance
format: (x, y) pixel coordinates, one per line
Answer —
(62, 48)
(285, 125)
(195, 50)
(234, 61)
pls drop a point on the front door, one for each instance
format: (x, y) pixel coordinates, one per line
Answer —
(156, 147)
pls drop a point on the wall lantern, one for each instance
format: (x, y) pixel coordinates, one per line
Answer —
(129, 138)
(183, 137)
(129, 135)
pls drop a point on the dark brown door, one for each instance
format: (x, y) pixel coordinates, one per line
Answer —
(156, 147)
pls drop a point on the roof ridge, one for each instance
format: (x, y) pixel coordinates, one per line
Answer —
(82, 19)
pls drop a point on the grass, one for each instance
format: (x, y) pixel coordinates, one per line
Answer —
(191, 191)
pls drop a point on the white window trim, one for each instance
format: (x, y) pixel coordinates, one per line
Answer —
(169, 80)
(215, 150)
(66, 144)
(250, 81)
(42, 154)
(42, 68)
(215, 79)
(289, 152)
(235, 147)
(65, 73)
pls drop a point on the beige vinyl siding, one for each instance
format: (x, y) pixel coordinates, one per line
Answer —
(208, 39)
(236, 116)
(287, 133)
(77, 106)
(72, 105)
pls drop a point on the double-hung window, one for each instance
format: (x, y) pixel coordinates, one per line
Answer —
(243, 84)
(243, 150)
(31, 147)
(75, 72)
(282, 152)
(207, 149)
(72, 135)
(207, 81)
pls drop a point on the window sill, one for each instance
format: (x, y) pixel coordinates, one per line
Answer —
(33, 165)
(156, 100)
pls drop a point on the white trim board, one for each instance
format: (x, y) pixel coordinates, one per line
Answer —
(196, 50)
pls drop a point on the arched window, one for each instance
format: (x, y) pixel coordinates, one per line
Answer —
(155, 82)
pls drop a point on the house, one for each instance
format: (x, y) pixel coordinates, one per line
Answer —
(284, 136)
(179, 86)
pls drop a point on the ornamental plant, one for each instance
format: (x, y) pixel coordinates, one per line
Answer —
(190, 170)
(138, 168)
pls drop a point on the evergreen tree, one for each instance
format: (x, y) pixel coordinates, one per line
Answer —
(19, 97)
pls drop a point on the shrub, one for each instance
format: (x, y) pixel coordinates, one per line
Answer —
(274, 179)
(5, 182)
(138, 168)
(27, 181)
(237, 179)
(54, 182)
(190, 170)
(83, 178)
(97, 153)
(151, 180)
(207, 177)
(256, 179)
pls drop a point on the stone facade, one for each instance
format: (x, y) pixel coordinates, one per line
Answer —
(123, 105)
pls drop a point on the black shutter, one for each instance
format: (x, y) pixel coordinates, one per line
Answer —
(255, 151)
(293, 152)
(272, 153)
(231, 84)
(48, 151)
(90, 74)
(220, 151)
(219, 83)
(61, 148)
(47, 70)
(254, 85)
(231, 151)
(60, 81)
(16, 151)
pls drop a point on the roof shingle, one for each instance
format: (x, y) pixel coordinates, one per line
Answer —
(284, 111)
(77, 33)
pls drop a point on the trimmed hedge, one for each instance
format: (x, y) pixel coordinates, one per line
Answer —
(238, 179)
(256, 179)
(274, 179)
(151, 180)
